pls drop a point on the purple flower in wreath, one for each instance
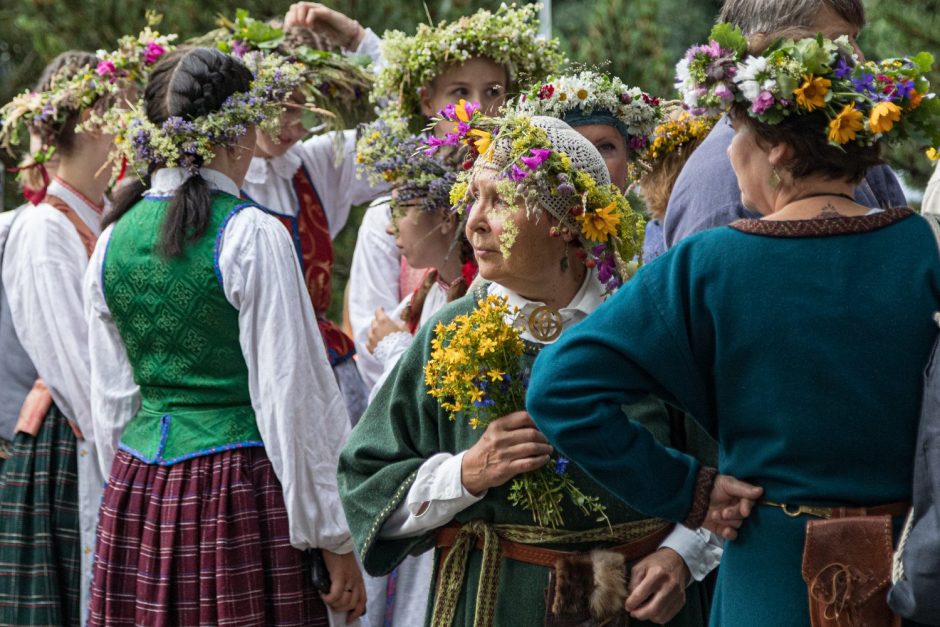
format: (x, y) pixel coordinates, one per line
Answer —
(763, 102)
(561, 465)
(240, 48)
(539, 155)
(843, 69)
(517, 173)
(905, 88)
(864, 84)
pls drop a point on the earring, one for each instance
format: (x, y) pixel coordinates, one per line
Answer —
(774, 179)
(564, 258)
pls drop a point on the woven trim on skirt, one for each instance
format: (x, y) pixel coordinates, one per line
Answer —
(201, 542)
(40, 550)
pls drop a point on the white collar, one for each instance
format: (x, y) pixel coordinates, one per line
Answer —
(165, 181)
(588, 298)
(86, 211)
(284, 166)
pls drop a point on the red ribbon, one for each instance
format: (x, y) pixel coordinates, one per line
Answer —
(33, 195)
(469, 271)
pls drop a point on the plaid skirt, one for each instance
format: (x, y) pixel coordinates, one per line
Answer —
(40, 550)
(202, 542)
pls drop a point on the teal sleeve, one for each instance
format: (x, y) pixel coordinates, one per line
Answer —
(638, 343)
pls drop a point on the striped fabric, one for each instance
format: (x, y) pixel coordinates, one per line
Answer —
(201, 542)
(40, 555)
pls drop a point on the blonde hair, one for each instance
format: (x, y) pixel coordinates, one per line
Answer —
(657, 183)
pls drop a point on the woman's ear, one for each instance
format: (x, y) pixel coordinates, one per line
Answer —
(425, 95)
(780, 155)
(449, 222)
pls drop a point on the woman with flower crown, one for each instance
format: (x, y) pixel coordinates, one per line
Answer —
(770, 332)
(210, 385)
(310, 184)
(478, 58)
(542, 217)
(51, 485)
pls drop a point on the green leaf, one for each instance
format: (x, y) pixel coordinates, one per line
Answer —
(730, 37)
(923, 61)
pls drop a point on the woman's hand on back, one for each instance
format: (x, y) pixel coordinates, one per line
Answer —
(510, 446)
(730, 503)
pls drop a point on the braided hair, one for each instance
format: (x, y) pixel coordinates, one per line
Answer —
(188, 83)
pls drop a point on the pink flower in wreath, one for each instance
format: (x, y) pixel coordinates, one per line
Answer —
(105, 68)
(152, 52)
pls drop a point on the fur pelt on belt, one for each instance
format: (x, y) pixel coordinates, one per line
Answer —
(591, 586)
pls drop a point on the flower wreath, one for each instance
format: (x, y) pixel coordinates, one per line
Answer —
(189, 143)
(609, 230)
(335, 86)
(864, 102)
(388, 152)
(675, 133)
(509, 37)
(594, 98)
(126, 67)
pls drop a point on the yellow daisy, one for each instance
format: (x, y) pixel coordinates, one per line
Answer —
(883, 116)
(843, 127)
(599, 225)
(812, 93)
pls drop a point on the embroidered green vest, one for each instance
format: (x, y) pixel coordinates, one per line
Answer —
(181, 336)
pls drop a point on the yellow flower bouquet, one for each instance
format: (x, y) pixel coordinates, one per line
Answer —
(475, 373)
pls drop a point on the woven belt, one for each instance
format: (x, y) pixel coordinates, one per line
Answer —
(791, 510)
(637, 539)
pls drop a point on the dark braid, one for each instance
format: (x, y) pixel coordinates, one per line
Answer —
(188, 83)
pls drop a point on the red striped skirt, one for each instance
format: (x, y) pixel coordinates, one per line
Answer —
(201, 542)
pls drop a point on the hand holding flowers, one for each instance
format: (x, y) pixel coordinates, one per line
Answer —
(475, 373)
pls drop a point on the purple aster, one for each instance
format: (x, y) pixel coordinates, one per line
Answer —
(864, 84)
(905, 89)
(843, 69)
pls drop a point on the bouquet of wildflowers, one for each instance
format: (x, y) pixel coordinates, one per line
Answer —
(475, 373)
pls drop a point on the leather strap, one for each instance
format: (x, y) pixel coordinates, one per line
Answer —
(890, 509)
(530, 554)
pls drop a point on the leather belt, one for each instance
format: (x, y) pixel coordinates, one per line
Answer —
(531, 554)
(891, 509)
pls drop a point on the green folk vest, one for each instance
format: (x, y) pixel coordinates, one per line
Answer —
(181, 336)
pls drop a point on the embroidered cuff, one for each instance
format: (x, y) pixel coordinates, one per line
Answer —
(391, 347)
(700, 498)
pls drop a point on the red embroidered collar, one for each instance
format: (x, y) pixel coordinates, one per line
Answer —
(98, 208)
(822, 227)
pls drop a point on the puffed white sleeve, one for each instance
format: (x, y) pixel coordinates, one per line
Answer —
(43, 275)
(115, 396)
(373, 283)
(300, 413)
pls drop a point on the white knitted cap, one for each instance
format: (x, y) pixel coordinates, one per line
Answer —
(564, 139)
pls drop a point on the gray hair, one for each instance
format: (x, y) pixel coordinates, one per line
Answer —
(769, 16)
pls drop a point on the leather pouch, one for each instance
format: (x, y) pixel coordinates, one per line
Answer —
(587, 590)
(847, 570)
